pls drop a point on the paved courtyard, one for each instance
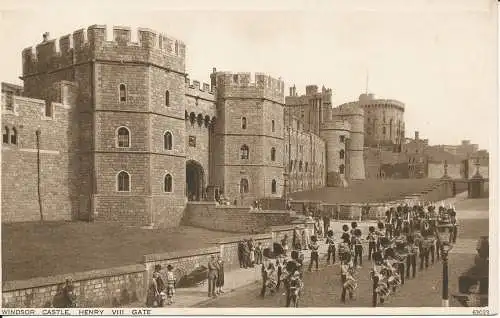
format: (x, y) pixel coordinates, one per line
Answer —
(322, 288)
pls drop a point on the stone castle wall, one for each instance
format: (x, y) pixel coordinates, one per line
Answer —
(21, 118)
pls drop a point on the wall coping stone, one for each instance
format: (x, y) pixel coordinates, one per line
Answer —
(234, 239)
(180, 254)
(278, 228)
(79, 276)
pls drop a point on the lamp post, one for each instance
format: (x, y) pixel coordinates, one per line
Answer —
(443, 233)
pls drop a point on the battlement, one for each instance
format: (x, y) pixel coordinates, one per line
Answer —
(382, 102)
(246, 85)
(93, 43)
(348, 109)
(197, 89)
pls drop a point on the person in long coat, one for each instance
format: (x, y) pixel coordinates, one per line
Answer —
(220, 275)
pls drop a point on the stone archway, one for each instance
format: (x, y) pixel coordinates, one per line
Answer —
(195, 181)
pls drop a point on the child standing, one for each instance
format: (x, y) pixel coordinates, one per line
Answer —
(170, 285)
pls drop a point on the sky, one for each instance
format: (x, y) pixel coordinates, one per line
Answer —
(439, 57)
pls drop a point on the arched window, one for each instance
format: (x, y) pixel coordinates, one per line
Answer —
(383, 130)
(272, 126)
(273, 186)
(123, 136)
(342, 138)
(341, 169)
(167, 98)
(123, 181)
(243, 123)
(243, 186)
(123, 93)
(244, 152)
(167, 183)
(273, 154)
(390, 128)
(306, 166)
(13, 137)
(341, 154)
(6, 135)
(300, 166)
(167, 141)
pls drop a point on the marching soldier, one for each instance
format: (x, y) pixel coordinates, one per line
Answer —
(314, 247)
(358, 248)
(411, 260)
(347, 271)
(372, 242)
(331, 247)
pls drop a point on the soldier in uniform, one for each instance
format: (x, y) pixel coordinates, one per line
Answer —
(314, 247)
(358, 248)
(331, 247)
(411, 260)
(372, 241)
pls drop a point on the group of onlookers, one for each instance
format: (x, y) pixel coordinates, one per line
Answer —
(250, 253)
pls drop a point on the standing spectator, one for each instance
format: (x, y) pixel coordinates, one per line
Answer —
(220, 275)
(212, 276)
(246, 254)
(241, 257)
(251, 248)
(170, 285)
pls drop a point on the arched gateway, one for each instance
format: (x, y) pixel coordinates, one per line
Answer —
(195, 180)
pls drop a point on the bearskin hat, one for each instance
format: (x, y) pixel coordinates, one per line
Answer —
(354, 225)
(357, 232)
(329, 233)
(380, 225)
(389, 252)
(371, 229)
(345, 228)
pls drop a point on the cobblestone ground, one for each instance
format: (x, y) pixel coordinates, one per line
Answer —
(322, 288)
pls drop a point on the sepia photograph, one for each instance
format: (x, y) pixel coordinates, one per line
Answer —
(240, 157)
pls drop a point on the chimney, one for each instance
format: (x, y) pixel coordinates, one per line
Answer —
(416, 135)
(291, 91)
(45, 36)
(214, 70)
(294, 90)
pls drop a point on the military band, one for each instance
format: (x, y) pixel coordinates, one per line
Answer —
(402, 241)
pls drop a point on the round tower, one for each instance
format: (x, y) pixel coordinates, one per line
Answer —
(335, 133)
(384, 121)
(354, 115)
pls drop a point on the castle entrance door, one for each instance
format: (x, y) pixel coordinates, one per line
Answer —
(194, 180)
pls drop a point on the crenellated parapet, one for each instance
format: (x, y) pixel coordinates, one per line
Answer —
(93, 44)
(198, 89)
(348, 109)
(242, 85)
